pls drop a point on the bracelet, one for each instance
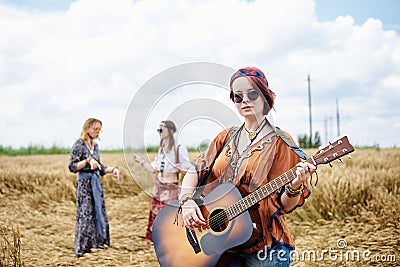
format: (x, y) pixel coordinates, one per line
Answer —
(185, 198)
(290, 192)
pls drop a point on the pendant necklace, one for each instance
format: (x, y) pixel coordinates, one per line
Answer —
(90, 147)
(253, 134)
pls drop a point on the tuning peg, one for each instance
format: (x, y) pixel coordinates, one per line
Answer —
(330, 164)
(340, 160)
(349, 156)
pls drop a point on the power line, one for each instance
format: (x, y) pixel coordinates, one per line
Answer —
(309, 106)
(337, 117)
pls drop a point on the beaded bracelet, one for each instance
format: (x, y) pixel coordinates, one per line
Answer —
(185, 198)
(290, 192)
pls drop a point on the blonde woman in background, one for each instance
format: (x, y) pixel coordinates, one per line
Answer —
(92, 228)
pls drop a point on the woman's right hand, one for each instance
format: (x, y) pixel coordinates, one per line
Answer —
(94, 165)
(138, 159)
(192, 216)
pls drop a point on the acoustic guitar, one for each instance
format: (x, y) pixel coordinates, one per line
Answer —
(228, 223)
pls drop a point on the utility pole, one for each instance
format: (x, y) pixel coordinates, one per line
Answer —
(337, 117)
(326, 130)
(309, 106)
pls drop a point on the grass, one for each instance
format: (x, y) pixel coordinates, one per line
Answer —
(357, 200)
(10, 249)
(369, 183)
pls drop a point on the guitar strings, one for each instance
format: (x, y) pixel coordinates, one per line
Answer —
(217, 220)
(221, 217)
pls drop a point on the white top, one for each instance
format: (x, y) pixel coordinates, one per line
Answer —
(169, 160)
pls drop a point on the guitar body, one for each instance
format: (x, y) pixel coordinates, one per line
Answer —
(171, 242)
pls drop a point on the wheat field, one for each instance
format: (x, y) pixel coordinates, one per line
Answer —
(351, 219)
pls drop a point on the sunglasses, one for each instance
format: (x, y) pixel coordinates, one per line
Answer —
(251, 95)
(159, 130)
(97, 130)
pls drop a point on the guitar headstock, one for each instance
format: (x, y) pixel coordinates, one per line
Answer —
(333, 151)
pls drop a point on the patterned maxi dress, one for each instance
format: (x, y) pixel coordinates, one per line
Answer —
(87, 195)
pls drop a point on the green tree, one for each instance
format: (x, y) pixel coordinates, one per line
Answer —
(306, 141)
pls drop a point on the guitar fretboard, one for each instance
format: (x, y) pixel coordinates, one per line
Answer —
(245, 203)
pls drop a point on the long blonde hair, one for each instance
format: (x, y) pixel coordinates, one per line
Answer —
(86, 126)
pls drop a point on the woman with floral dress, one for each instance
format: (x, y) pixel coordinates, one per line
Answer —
(92, 229)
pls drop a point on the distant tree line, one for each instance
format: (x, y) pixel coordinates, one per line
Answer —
(40, 150)
(54, 150)
(32, 150)
(306, 141)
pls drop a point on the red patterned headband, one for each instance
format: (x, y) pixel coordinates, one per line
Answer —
(244, 72)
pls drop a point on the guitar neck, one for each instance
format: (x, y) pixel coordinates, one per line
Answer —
(276, 184)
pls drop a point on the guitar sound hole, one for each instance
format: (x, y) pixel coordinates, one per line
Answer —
(218, 220)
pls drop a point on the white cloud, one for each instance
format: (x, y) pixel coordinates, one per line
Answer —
(59, 68)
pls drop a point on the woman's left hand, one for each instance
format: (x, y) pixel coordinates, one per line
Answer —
(115, 173)
(304, 171)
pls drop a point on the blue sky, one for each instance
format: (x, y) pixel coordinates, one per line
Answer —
(48, 5)
(386, 10)
(63, 61)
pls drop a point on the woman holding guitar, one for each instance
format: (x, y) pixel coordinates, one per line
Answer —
(250, 156)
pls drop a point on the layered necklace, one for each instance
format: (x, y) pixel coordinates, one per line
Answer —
(253, 134)
(164, 154)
